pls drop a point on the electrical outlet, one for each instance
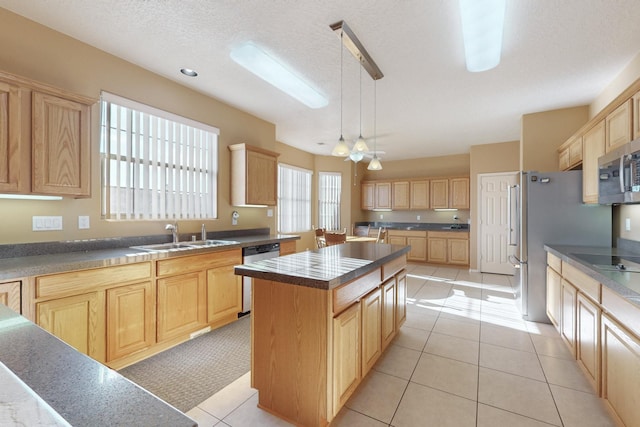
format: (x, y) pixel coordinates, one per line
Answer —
(417, 217)
(46, 223)
(627, 224)
(269, 213)
(381, 216)
(83, 222)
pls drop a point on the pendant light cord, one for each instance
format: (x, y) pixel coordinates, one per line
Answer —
(341, 89)
(360, 101)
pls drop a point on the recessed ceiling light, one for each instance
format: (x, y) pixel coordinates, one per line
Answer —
(188, 72)
(273, 72)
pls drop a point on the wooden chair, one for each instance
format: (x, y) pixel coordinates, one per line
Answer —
(382, 235)
(319, 235)
(361, 230)
(335, 238)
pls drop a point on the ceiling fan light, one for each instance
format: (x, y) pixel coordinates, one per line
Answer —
(482, 29)
(360, 145)
(356, 156)
(374, 164)
(341, 149)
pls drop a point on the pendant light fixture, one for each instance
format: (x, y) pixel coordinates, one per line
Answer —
(374, 164)
(360, 146)
(341, 149)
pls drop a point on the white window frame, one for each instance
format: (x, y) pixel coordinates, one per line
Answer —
(294, 199)
(167, 171)
(329, 200)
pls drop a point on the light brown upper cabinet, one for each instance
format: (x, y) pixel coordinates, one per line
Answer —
(459, 193)
(45, 139)
(439, 196)
(419, 194)
(12, 147)
(636, 115)
(570, 153)
(368, 196)
(61, 150)
(376, 195)
(618, 125)
(254, 175)
(400, 195)
(593, 143)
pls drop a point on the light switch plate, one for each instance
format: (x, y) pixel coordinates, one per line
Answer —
(269, 212)
(627, 224)
(46, 223)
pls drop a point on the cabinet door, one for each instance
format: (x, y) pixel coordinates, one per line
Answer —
(261, 179)
(388, 311)
(224, 294)
(10, 295)
(383, 195)
(181, 305)
(346, 355)
(458, 251)
(618, 126)
(554, 297)
(400, 195)
(11, 143)
(587, 338)
(593, 144)
(568, 323)
(459, 193)
(401, 298)
(61, 146)
(396, 240)
(563, 159)
(371, 329)
(636, 115)
(575, 151)
(418, 250)
(419, 195)
(130, 319)
(621, 371)
(437, 251)
(368, 196)
(287, 248)
(439, 193)
(77, 320)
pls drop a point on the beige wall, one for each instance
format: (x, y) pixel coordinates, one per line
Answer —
(488, 158)
(627, 76)
(36, 52)
(542, 133)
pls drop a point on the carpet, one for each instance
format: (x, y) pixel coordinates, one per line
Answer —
(189, 373)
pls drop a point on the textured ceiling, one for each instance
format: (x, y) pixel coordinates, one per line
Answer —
(556, 54)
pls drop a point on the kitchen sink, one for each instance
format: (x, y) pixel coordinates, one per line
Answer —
(162, 247)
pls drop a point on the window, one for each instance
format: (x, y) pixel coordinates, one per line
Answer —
(154, 164)
(330, 186)
(294, 199)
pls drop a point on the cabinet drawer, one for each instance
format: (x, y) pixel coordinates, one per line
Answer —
(169, 267)
(449, 234)
(81, 281)
(626, 313)
(346, 294)
(581, 281)
(554, 262)
(407, 233)
(392, 267)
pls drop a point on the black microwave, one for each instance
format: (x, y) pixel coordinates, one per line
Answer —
(619, 175)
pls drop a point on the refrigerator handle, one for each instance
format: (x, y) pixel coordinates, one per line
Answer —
(514, 211)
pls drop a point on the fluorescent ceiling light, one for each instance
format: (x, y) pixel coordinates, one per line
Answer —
(267, 68)
(482, 28)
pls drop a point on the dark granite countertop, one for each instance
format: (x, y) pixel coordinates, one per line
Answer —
(34, 265)
(324, 268)
(83, 391)
(417, 226)
(624, 283)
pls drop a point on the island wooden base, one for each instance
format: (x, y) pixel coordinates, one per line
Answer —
(310, 347)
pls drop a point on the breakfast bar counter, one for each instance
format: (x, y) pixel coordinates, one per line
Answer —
(320, 320)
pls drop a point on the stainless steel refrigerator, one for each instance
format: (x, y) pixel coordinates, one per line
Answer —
(547, 208)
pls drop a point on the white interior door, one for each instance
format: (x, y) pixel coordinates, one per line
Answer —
(493, 229)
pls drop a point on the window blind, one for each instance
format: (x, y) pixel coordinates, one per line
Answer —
(154, 164)
(329, 191)
(294, 199)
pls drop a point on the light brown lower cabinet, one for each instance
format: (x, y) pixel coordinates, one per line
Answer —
(437, 251)
(224, 294)
(131, 319)
(448, 247)
(181, 304)
(554, 296)
(346, 354)
(10, 295)
(78, 320)
(621, 371)
(389, 308)
(371, 329)
(587, 338)
(416, 239)
(401, 299)
(568, 323)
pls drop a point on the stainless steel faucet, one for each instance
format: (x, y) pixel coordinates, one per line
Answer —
(174, 231)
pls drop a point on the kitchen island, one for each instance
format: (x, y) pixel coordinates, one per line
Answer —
(320, 320)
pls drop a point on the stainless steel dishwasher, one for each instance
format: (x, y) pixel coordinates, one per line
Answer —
(252, 254)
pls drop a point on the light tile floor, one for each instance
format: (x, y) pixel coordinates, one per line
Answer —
(464, 357)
